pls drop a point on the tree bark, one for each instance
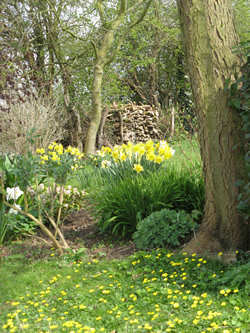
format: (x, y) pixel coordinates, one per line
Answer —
(208, 34)
(101, 128)
(90, 142)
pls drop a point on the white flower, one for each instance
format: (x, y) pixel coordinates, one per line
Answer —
(69, 187)
(83, 192)
(67, 192)
(30, 190)
(41, 186)
(13, 211)
(75, 190)
(13, 193)
(163, 144)
(172, 151)
(100, 153)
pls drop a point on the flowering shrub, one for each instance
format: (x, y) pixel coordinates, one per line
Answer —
(54, 162)
(145, 154)
(136, 181)
(72, 198)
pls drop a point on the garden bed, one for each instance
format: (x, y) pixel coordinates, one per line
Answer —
(80, 231)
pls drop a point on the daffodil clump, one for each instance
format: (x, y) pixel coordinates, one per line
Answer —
(149, 292)
(139, 156)
(61, 163)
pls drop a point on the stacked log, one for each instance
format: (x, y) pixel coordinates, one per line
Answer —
(134, 123)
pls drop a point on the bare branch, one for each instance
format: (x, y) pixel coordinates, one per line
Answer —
(124, 35)
(122, 8)
(66, 29)
(100, 11)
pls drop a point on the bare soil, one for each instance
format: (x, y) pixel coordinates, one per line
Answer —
(80, 231)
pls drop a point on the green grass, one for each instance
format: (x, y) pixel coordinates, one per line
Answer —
(157, 292)
(187, 155)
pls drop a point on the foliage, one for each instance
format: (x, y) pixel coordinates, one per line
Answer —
(18, 225)
(119, 205)
(6, 162)
(242, 16)
(87, 177)
(239, 93)
(163, 229)
(11, 223)
(154, 291)
(3, 224)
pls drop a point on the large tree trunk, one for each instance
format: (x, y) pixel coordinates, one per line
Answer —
(208, 33)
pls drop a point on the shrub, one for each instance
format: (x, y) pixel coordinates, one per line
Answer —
(54, 162)
(40, 113)
(163, 228)
(72, 198)
(119, 205)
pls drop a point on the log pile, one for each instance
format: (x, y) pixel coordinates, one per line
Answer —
(135, 123)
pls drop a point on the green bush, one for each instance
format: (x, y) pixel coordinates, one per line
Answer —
(120, 205)
(163, 228)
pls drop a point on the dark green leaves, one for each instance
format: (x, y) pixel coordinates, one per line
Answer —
(162, 228)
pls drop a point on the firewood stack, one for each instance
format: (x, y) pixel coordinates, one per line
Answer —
(135, 123)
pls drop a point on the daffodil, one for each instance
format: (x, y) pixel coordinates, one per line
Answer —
(138, 168)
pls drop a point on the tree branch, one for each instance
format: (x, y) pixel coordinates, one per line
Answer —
(113, 56)
(122, 8)
(66, 29)
(101, 11)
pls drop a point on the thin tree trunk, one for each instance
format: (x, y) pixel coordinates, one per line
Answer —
(103, 58)
(121, 127)
(90, 141)
(101, 128)
(208, 33)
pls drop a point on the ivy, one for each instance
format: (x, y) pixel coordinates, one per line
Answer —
(239, 93)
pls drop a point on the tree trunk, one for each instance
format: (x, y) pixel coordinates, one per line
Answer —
(90, 142)
(101, 127)
(208, 34)
(105, 56)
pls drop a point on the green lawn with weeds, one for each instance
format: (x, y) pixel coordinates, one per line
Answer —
(154, 291)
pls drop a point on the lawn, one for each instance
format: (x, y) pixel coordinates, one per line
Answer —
(154, 291)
